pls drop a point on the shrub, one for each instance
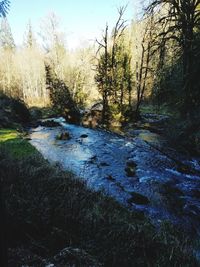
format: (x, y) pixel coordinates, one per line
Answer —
(12, 111)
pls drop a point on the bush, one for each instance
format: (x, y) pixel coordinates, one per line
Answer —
(12, 111)
(61, 98)
(21, 111)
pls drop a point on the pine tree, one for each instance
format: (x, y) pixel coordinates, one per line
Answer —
(6, 37)
(29, 39)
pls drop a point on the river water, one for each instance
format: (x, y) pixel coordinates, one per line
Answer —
(138, 169)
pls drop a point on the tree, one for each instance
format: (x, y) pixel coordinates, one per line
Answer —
(79, 75)
(29, 39)
(113, 72)
(60, 97)
(143, 64)
(6, 37)
(102, 77)
(124, 75)
(53, 39)
(4, 7)
(183, 20)
(31, 76)
(117, 34)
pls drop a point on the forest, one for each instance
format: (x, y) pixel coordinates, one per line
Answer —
(100, 144)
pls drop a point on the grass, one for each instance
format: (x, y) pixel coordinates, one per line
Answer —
(12, 140)
(8, 134)
(49, 209)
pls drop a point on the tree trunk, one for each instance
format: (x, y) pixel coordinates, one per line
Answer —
(188, 37)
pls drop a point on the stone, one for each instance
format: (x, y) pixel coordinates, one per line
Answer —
(110, 178)
(92, 160)
(130, 171)
(169, 189)
(49, 123)
(104, 164)
(138, 199)
(84, 136)
(63, 136)
(130, 168)
(131, 163)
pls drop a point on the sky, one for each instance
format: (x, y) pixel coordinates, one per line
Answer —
(81, 20)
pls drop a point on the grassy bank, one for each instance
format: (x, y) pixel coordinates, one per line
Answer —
(49, 210)
(14, 143)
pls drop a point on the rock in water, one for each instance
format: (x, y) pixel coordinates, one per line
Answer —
(49, 123)
(84, 136)
(138, 199)
(130, 168)
(63, 136)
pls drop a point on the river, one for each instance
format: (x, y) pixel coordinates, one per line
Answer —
(138, 169)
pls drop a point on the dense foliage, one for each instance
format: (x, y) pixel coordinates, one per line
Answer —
(61, 98)
(177, 83)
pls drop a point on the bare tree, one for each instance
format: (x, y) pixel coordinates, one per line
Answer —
(118, 31)
(108, 63)
(29, 38)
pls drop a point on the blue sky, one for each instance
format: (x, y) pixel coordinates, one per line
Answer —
(80, 19)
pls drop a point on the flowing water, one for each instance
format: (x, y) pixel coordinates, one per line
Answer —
(138, 169)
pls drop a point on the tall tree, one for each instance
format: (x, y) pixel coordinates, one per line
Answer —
(183, 18)
(6, 37)
(4, 7)
(103, 76)
(54, 42)
(143, 64)
(60, 97)
(29, 39)
(113, 76)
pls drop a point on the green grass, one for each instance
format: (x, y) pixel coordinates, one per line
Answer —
(14, 143)
(8, 134)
